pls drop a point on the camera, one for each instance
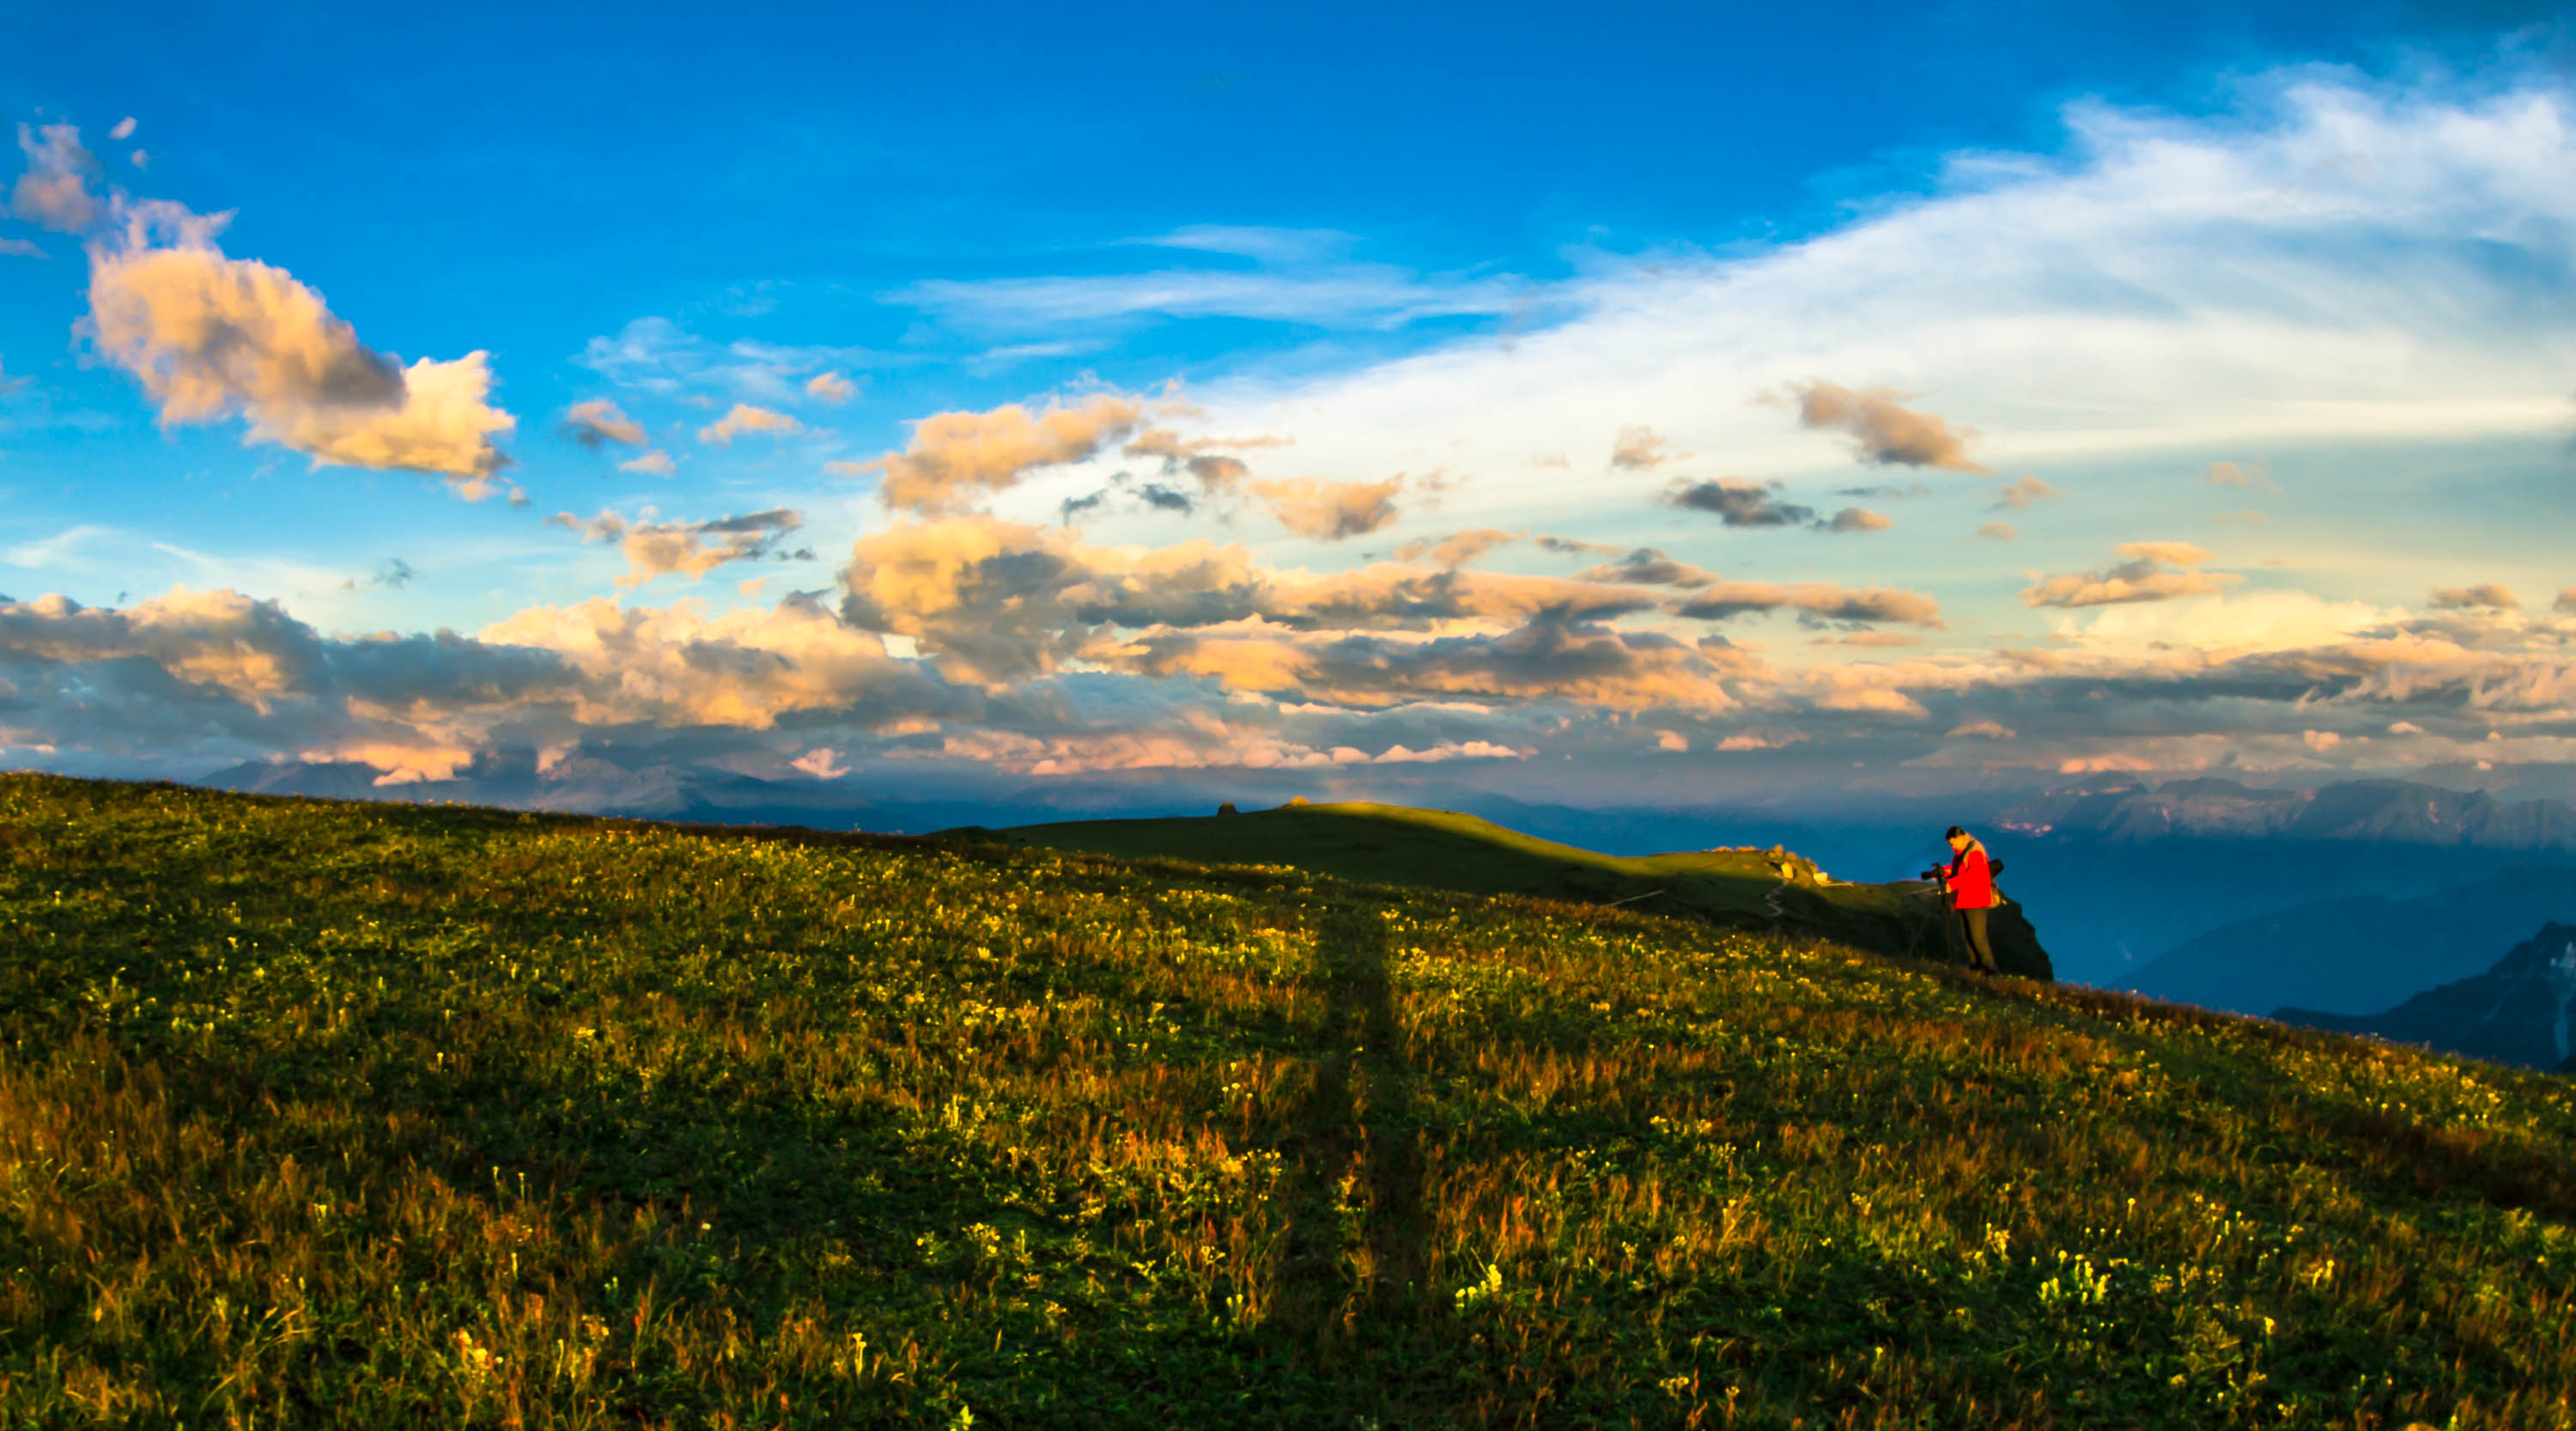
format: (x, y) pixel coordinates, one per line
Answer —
(1934, 874)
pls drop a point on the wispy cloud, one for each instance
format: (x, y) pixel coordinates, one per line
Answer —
(1362, 296)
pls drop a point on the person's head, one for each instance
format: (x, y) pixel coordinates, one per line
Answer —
(1958, 838)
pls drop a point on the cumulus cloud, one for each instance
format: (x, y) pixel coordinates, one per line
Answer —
(54, 192)
(596, 422)
(2566, 599)
(1883, 431)
(1330, 511)
(1640, 448)
(829, 386)
(2021, 492)
(213, 337)
(2485, 596)
(655, 463)
(957, 458)
(994, 602)
(1739, 503)
(2154, 571)
(1858, 519)
(2237, 474)
(1998, 531)
(692, 549)
(1543, 660)
(742, 417)
(1824, 600)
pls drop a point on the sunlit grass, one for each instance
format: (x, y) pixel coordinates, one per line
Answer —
(380, 1115)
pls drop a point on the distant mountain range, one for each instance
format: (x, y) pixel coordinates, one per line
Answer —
(2360, 953)
(2377, 811)
(2515, 1012)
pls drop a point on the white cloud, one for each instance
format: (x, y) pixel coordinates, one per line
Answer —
(2171, 284)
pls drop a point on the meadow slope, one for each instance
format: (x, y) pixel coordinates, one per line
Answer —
(381, 1115)
(1773, 890)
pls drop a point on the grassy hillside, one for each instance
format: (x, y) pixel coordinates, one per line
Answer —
(375, 1115)
(1771, 890)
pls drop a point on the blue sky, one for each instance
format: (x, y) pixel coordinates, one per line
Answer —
(1999, 390)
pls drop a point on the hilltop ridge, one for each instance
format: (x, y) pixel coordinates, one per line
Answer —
(1763, 888)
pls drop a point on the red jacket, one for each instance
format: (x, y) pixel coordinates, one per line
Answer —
(1971, 885)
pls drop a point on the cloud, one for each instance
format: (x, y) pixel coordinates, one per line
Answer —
(658, 356)
(1762, 740)
(1572, 546)
(742, 418)
(1648, 566)
(1858, 519)
(1882, 431)
(957, 458)
(1640, 448)
(1217, 472)
(2566, 599)
(655, 463)
(21, 248)
(1728, 599)
(1979, 730)
(1458, 548)
(217, 676)
(1998, 531)
(54, 192)
(124, 128)
(1269, 245)
(692, 549)
(2233, 474)
(213, 337)
(2021, 492)
(829, 386)
(1330, 511)
(1545, 660)
(996, 602)
(1365, 296)
(595, 422)
(2154, 571)
(2485, 596)
(1739, 503)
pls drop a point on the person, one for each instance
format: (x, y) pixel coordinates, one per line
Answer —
(1970, 880)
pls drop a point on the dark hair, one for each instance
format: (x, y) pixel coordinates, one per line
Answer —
(1952, 833)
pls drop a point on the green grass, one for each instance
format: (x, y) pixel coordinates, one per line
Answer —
(1773, 890)
(379, 1116)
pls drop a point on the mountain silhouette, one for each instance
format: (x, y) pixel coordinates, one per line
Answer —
(2516, 1012)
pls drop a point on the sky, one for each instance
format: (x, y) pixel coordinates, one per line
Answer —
(1613, 404)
